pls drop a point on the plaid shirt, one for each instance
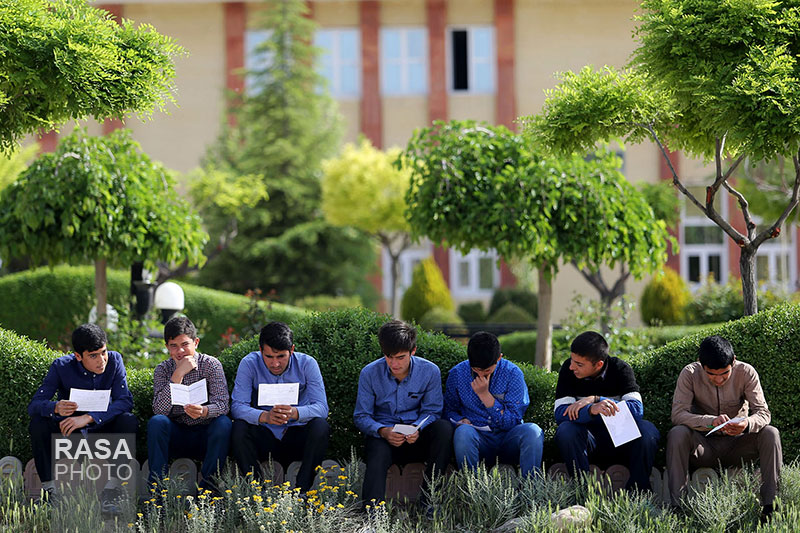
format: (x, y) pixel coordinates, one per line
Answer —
(208, 367)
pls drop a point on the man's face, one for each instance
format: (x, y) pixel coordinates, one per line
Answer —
(276, 360)
(182, 346)
(718, 376)
(583, 367)
(399, 363)
(94, 361)
(485, 372)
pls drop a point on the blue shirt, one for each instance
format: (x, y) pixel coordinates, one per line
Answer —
(506, 384)
(67, 373)
(302, 369)
(383, 401)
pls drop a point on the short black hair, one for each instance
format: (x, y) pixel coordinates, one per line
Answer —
(277, 336)
(590, 345)
(88, 338)
(715, 352)
(483, 350)
(396, 336)
(177, 326)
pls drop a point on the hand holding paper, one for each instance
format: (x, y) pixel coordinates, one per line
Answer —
(621, 426)
(731, 421)
(278, 394)
(196, 393)
(408, 429)
(90, 400)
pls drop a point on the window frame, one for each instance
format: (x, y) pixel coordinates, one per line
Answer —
(703, 251)
(404, 62)
(335, 85)
(472, 289)
(492, 59)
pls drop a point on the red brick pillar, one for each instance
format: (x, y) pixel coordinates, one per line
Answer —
(369, 12)
(436, 11)
(235, 27)
(505, 100)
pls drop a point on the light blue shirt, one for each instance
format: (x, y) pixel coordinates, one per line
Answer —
(383, 401)
(302, 369)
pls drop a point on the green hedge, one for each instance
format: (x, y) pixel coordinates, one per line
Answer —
(520, 346)
(43, 304)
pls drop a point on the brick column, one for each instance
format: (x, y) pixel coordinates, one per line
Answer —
(116, 11)
(436, 12)
(48, 140)
(673, 259)
(442, 257)
(736, 219)
(369, 14)
(235, 27)
(506, 95)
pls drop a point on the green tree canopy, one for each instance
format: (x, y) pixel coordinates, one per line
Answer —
(717, 80)
(363, 188)
(62, 60)
(98, 199)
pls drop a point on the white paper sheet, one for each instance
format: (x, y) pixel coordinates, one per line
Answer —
(479, 428)
(408, 429)
(731, 421)
(90, 400)
(278, 393)
(621, 426)
(196, 393)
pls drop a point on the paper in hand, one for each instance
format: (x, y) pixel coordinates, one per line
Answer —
(479, 428)
(196, 393)
(408, 429)
(90, 400)
(278, 393)
(731, 421)
(621, 426)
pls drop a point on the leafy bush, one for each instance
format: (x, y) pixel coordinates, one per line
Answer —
(714, 302)
(427, 290)
(343, 342)
(767, 340)
(45, 303)
(326, 302)
(436, 317)
(520, 346)
(472, 312)
(511, 313)
(518, 296)
(664, 299)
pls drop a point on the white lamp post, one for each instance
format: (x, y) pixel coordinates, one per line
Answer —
(169, 299)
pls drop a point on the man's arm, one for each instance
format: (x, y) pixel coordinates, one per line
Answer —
(162, 397)
(317, 405)
(121, 397)
(364, 413)
(759, 411)
(682, 402)
(453, 409)
(432, 401)
(42, 404)
(507, 413)
(566, 400)
(242, 393)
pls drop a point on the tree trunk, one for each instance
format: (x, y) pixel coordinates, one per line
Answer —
(544, 329)
(747, 266)
(606, 301)
(394, 272)
(100, 286)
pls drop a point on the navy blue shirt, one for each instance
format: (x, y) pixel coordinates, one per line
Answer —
(67, 373)
(383, 401)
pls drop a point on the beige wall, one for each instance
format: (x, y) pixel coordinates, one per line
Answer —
(334, 13)
(401, 116)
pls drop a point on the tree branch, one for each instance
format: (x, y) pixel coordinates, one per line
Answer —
(775, 229)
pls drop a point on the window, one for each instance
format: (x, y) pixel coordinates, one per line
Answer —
(775, 259)
(472, 59)
(255, 60)
(404, 61)
(340, 61)
(474, 274)
(704, 251)
(408, 260)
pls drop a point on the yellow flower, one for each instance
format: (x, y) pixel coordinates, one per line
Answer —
(311, 492)
(228, 491)
(189, 515)
(179, 496)
(202, 496)
(342, 477)
(340, 506)
(124, 483)
(166, 479)
(139, 515)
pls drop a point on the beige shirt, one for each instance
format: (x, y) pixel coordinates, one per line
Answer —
(697, 402)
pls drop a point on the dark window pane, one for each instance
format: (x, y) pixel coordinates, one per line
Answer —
(486, 273)
(694, 269)
(762, 268)
(703, 235)
(460, 71)
(463, 274)
(715, 267)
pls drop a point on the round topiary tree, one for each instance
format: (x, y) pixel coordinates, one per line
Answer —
(511, 313)
(427, 290)
(437, 317)
(664, 299)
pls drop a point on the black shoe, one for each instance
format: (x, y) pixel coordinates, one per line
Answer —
(111, 502)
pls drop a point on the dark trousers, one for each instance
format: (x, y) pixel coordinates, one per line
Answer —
(433, 447)
(307, 443)
(581, 443)
(41, 429)
(167, 439)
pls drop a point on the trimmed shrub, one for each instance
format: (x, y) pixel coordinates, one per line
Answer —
(520, 347)
(343, 342)
(437, 317)
(472, 312)
(714, 302)
(664, 299)
(44, 304)
(767, 340)
(542, 393)
(326, 302)
(518, 296)
(511, 314)
(427, 290)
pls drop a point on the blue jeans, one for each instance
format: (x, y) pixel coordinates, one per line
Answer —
(522, 444)
(168, 439)
(580, 443)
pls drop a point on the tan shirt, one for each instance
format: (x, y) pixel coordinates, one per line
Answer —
(697, 402)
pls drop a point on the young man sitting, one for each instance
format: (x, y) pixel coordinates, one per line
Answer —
(486, 397)
(286, 431)
(90, 367)
(590, 384)
(191, 430)
(400, 388)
